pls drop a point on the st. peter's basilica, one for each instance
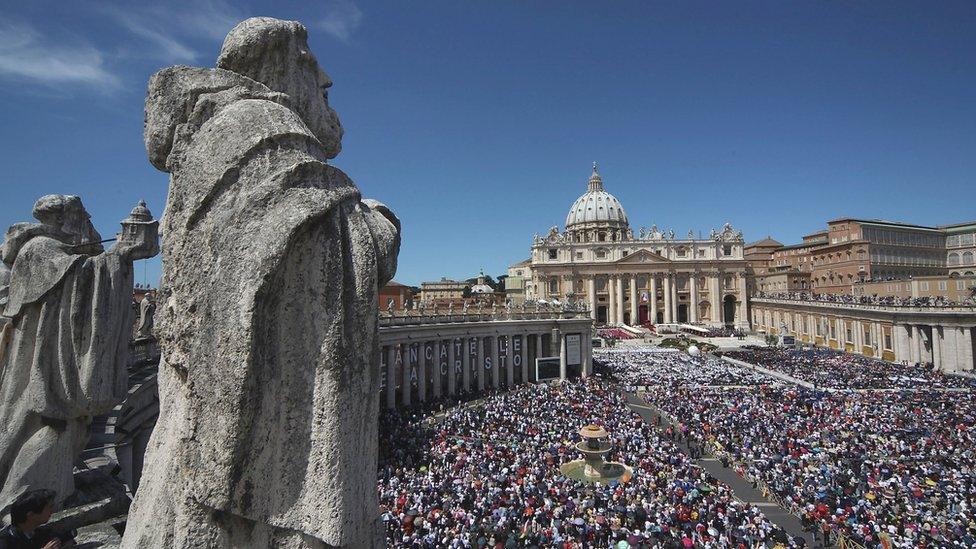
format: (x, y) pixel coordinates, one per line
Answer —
(653, 276)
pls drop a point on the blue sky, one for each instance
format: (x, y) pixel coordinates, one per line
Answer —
(477, 121)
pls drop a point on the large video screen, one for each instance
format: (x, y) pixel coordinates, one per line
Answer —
(547, 368)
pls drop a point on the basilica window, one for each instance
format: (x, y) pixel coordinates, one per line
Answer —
(552, 253)
(553, 286)
(601, 237)
(601, 254)
(680, 252)
(727, 249)
(579, 255)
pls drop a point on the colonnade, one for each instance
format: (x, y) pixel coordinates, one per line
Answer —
(943, 338)
(947, 348)
(427, 363)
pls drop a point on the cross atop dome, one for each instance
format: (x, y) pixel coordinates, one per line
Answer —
(596, 182)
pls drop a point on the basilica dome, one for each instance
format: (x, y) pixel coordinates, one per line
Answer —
(596, 208)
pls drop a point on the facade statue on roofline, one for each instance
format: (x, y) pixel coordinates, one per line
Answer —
(267, 320)
(65, 339)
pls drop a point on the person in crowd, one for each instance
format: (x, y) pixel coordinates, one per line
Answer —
(28, 513)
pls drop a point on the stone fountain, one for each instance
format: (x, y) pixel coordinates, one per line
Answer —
(594, 467)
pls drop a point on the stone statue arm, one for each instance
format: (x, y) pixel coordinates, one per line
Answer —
(385, 228)
(132, 249)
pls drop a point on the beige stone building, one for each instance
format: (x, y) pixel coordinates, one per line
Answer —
(442, 291)
(654, 276)
(961, 248)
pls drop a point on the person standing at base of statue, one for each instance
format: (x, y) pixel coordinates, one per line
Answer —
(64, 349)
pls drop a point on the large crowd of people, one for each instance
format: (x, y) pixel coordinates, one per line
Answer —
(828, 369)
(488, 476)
(868, 465)
(881, 300)
(634, 367)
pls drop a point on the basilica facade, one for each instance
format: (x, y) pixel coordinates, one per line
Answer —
(653, 276)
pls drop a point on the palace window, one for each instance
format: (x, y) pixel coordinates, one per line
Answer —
(887, 340)
(867, 336)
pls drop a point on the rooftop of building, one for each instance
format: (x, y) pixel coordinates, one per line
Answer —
(767, 242)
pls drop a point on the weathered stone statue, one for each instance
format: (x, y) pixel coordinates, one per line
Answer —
(267, 309)
(64, 346)
(147, 308)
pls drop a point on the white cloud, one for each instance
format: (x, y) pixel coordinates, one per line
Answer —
(169, 31)
(26, 54)
(342, 19)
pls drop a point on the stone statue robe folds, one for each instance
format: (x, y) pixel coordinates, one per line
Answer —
(62, 357)
(266, 319)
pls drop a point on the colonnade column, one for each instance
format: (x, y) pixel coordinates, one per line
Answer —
(523, 342)
(591, 293)
(562, 356)
(496, 378)
(391, 381)
(481, 364)
(916, 344)
(509, 362)
(652, 313)
(937, 349)
(634, 319)
(620, 301)
(667, 299)
(466, 364)
(693, 311)
(964, 341)
(407, 382)
(422, 362)
(438, 349)
(452, 366)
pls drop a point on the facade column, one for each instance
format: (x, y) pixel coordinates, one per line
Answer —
(693, 308)
(620, 301)
(496, 378)
(652, 313)
(587, 358)
(634, 318)
(743, 320)
(391, 376)
(667, 298)
(674, 298)
(715, 296)
(937, 349)
(591, 293)
(539, 352)
(452, 367)
(481, 364)
(611, 299)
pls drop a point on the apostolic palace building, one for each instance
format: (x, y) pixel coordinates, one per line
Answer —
(626, 278)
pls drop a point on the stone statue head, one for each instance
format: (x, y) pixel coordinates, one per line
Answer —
(66, 215)
(275, 53)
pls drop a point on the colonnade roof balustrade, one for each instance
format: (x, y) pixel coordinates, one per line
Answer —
(419, 317)
(888, 308)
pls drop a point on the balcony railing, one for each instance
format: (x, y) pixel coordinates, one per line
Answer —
(870, 306)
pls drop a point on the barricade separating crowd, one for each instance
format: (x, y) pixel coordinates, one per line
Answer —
(488, 476)
(829, 369)
(634, 367)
